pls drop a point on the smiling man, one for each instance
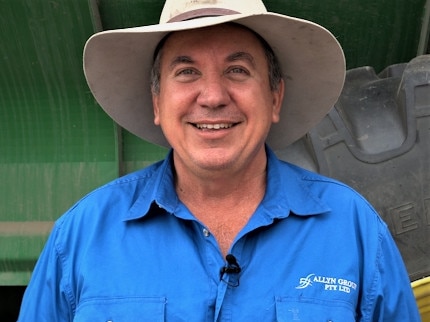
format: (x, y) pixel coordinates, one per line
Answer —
(221, 230)
(215, 106)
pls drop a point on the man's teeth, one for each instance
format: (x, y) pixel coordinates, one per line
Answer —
(214, 126)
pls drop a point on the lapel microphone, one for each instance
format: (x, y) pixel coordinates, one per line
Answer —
(232, 267)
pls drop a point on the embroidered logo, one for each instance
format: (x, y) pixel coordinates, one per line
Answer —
(305, 281)
(330, 283)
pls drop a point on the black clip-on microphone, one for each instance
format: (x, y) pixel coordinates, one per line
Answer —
(232, 267)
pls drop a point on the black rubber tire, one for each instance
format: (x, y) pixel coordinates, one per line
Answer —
(377, 140)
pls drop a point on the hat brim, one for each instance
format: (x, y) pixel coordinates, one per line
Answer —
(117, 66)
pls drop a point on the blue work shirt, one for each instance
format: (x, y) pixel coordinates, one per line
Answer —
(314, 250)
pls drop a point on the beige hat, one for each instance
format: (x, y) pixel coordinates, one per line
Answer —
(117, 65)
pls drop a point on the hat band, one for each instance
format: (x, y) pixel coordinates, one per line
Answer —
(199, 13)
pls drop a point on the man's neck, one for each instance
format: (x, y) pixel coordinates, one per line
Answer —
(223, 203)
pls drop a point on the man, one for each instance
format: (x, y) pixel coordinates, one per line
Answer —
(221, 230)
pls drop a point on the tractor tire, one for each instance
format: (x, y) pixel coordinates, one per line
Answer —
(377, 140)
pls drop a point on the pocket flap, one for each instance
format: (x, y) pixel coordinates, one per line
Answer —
(288, 309)
(121, 310)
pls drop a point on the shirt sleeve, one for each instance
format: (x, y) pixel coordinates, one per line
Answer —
(392, 299)
(47, 297)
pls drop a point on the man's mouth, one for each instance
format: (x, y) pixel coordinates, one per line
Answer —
(215, 126)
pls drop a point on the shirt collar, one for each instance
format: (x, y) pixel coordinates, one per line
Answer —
(288, 191)
(159, 190)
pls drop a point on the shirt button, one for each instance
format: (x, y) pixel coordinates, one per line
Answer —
(206, 232)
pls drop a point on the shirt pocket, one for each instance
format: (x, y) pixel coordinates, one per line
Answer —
(313, 310)
(142, 309)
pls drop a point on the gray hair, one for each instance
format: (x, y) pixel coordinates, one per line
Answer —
(275, 70)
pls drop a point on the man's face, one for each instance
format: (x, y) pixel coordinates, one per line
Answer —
(215, 105)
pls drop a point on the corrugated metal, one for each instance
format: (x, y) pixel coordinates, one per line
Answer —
(372, 33)
(55, 143)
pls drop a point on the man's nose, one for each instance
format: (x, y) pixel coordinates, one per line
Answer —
(213, 92)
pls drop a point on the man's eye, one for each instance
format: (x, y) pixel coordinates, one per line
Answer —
(187, 71)
(237, 70)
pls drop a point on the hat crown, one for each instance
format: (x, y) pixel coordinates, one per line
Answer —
(180, 10)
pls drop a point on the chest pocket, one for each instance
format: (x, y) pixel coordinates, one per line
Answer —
(289, 310)
(142, 309)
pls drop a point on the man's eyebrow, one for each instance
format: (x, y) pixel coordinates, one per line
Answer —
(180, 60)
(241, 55)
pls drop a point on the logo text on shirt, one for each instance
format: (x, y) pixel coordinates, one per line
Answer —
(330, 283)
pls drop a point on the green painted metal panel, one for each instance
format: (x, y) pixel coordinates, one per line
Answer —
(373, 33)
(55, 143)
(138, 153)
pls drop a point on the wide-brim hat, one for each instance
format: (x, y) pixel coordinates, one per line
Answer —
(117, 65)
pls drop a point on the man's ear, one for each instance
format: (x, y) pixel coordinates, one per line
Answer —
(278, 98)
(155, 106)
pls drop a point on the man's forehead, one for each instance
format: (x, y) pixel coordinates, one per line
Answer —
(239, 41)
